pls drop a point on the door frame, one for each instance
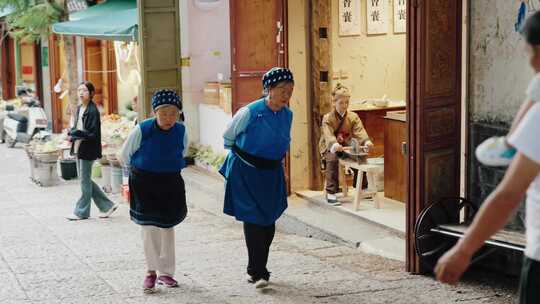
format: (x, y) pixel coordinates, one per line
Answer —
(414, 78)
(55, 74)
(108, 73)
(8, 67)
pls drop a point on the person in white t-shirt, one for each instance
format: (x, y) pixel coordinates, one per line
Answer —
(522, 176)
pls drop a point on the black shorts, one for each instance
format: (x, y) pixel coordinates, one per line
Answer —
(529, 286)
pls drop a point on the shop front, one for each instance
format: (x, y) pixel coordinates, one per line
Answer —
(108, 58)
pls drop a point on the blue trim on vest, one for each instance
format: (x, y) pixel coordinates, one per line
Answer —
(160, 151)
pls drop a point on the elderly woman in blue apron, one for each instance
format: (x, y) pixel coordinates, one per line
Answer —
(255, 189)
(154, 151)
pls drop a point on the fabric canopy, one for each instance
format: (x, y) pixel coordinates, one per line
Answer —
(110, 20)
(103, 9)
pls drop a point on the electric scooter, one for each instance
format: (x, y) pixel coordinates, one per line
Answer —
(22, 128)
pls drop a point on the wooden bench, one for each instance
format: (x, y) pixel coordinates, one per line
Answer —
(440, 225)
(370, 170)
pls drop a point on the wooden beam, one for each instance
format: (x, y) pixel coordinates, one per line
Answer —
(320, 21)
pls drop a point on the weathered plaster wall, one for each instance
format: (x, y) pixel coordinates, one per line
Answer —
(298, 56)
(499, 72)
(374, 64)
(498, 77)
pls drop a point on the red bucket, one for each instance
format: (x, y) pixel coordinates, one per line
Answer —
(125, 193)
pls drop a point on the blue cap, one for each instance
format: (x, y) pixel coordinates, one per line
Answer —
(166, 97)
(275, 76)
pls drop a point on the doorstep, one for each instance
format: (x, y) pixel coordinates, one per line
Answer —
(304, 218)
(391, 215)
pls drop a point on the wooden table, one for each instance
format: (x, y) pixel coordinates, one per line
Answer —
(370, 170)
(373, 121)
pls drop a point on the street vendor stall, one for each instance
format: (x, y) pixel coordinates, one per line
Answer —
(114, 131)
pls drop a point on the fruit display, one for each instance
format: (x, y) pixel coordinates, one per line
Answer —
(115, 129)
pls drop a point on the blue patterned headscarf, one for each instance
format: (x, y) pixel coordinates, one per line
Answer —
(164, 98)
(275, 76)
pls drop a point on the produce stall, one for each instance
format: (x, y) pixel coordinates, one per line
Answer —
(114, 131)
(43, 157)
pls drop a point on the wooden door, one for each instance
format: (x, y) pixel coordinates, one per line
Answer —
(258, 42)
(93, 67)
(109, 85)
(434, 108)
(159, 25)
(8, 68)
(55, 73)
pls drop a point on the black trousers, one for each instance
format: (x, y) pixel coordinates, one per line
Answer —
(258, 241)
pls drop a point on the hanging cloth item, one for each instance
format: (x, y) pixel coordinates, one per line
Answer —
(522, 12)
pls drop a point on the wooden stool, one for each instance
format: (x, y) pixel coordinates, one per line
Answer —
(371, 171)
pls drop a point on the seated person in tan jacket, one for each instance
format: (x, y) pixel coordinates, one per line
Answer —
(338, 128)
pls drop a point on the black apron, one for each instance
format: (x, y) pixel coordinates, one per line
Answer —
(157, 199)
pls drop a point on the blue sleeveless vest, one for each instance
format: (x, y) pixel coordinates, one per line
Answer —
(160, 151)
(268, 133)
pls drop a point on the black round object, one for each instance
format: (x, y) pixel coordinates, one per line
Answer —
(429, 245)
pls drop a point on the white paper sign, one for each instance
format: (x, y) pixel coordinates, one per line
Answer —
(377, 20)
(400, 16)
(349, 18)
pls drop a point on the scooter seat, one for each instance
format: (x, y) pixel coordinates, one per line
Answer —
(18, 117)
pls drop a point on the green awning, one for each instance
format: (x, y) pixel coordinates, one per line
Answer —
(120, 25)
(104, 8)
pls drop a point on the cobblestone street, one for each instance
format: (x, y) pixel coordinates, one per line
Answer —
(46, 259)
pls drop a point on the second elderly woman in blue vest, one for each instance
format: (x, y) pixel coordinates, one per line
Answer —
(255, 189)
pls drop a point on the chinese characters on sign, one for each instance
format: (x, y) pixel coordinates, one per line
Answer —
(349, 17)
(376, 17)
(400, 16)
(76, 5)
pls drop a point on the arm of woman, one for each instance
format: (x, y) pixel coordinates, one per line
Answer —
(186, 144)
(130, 146)
(500, 205)
(491, 217)
(237, 126)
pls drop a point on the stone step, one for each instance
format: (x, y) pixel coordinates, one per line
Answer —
(309, 220)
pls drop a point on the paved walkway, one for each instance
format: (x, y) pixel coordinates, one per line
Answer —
(46, 259)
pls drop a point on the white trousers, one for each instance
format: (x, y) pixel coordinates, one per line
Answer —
(159, 249)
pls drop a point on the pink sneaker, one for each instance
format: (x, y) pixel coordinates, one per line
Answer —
(168, 281)
(149, 284)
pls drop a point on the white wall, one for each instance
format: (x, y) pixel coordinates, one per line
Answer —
(213, 123)
(207, 43)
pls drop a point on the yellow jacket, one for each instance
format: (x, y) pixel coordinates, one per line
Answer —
(352, 127)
